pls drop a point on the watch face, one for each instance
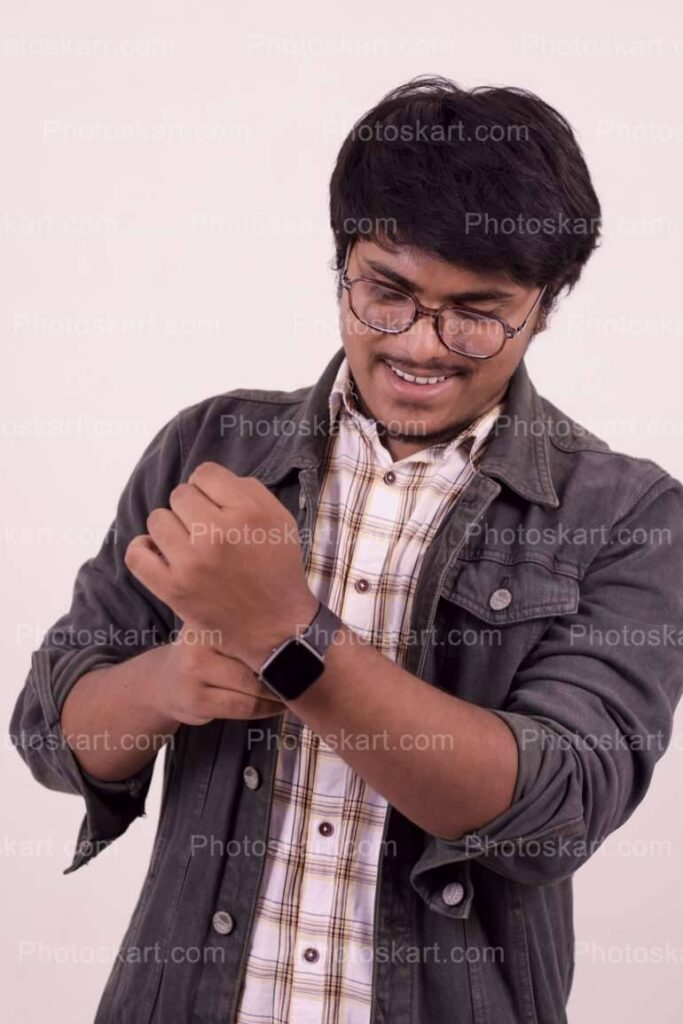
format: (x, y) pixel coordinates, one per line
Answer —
(293, 668)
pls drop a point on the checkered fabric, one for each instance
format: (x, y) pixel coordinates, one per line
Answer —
(311, 947)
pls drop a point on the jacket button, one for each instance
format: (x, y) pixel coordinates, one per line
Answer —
(252, 778)
(222, 922)
(500, 599)
(453, 894)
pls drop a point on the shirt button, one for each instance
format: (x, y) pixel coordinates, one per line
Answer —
(500, 599)
(312, 955)
(325, 828)
(362, 586)
(390, 477)
(453, 894)
(222, 922)
(252, 778)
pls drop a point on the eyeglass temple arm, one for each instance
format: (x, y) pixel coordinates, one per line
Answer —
(514, 331)
(345, 268)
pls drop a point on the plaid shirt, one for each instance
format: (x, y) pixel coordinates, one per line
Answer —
(310, 957)
(598, 543)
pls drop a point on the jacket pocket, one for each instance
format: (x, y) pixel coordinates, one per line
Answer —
(504, 593)
(490, 615)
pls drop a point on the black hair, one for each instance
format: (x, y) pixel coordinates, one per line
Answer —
(491, 179)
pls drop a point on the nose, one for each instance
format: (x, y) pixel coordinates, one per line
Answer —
(424, 340)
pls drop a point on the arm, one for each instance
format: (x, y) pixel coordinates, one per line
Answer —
(589, 720)
(105, 671)
(447, 765)
(116, 718)
(109, 721)
(534, 789)
(111, 621)
(253, 595)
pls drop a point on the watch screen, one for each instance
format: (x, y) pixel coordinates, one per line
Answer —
(295, 667)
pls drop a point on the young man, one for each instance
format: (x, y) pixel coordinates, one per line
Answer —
(373, 622)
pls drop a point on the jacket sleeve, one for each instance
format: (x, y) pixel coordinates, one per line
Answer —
(112, 618)
(591, 709)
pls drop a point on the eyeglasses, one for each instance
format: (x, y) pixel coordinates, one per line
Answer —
(391, 310)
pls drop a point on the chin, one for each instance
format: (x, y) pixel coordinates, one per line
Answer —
(411, 425)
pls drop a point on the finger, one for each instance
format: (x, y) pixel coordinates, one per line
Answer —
(194, 510)
(219, 484)
(143, 560)
(225, 704)
(167, 532)
(264, 695)
(227, 673)
(222, 671)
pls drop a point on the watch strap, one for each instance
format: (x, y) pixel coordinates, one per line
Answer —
(299, 660)
(322, 628)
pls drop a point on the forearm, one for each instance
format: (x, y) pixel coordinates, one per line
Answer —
(447, 765)
(110, 719)
(461, 777)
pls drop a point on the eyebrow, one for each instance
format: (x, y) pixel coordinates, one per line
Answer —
(458, 298)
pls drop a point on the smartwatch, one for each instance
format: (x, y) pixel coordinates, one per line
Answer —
(298, 661)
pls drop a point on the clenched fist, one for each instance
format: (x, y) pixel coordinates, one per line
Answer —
(226, 557)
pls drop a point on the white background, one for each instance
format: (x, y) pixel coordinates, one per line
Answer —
(164, 178)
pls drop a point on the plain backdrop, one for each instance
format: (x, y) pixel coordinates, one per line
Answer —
(163, 183)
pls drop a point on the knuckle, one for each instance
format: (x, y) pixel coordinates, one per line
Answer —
(205, 470)
(178, 492)
(154, 517)
(130, 554)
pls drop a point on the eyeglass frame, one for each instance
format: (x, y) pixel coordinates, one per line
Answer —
(420, 310)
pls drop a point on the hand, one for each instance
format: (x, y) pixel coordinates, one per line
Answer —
(226, 557)
(197, 684)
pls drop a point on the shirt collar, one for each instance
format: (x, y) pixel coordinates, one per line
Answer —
(518, 450)
(343, 406)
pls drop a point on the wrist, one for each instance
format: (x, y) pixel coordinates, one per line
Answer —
(152, 695)
(298, 616)
(299, 661)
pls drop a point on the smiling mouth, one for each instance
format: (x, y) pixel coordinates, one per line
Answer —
(414, 378)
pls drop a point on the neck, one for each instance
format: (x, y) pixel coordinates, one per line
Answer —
(400, 446)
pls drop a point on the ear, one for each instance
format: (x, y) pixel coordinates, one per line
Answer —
(543, 318)
(541, 323)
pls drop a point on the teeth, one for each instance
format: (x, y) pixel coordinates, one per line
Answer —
(415, 380)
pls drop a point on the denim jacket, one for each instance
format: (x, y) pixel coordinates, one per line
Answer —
(552, 594)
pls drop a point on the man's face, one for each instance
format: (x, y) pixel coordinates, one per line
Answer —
(417, 415)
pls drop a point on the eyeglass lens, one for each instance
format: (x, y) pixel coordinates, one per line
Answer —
(386, 309)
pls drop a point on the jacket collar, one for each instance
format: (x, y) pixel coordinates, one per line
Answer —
(517, 452)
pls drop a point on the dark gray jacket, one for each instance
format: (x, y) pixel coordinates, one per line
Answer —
(579, 652)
